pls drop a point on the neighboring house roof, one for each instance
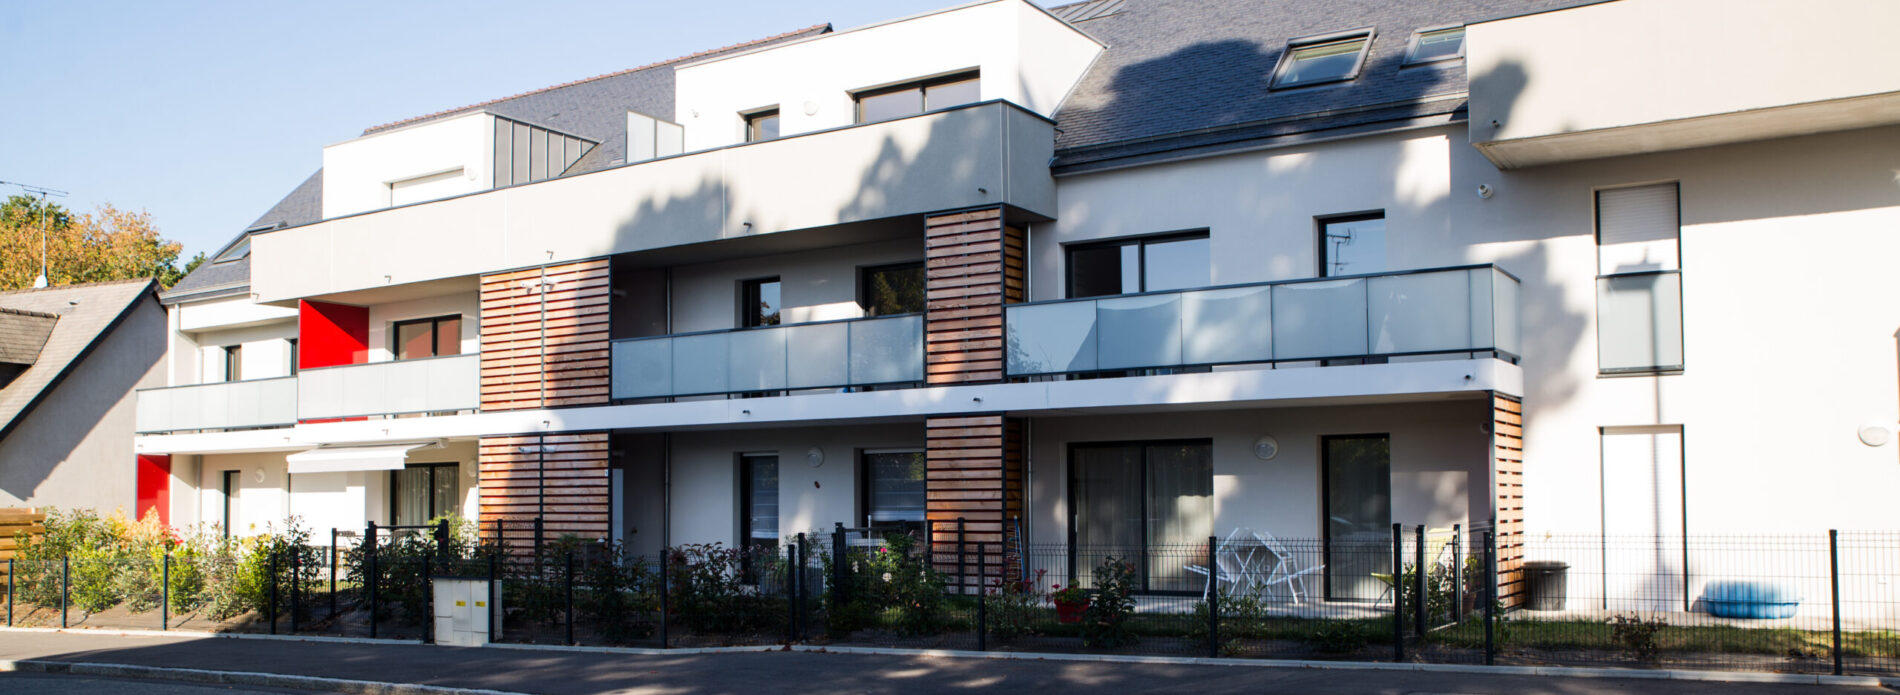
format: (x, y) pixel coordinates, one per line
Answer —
(86, 315)
(22, 334)
(1187, 74)
(594, 108)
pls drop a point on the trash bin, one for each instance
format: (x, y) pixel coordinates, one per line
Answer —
(1545, 582)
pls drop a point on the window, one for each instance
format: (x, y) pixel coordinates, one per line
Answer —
(228, 481)
(430, 337)
(1322, 59)
(892, 289)
(886, 103)
(1352, 245)
(758, 509)
(238, 251)
(1131, 496)
(759, 303)
(233, 362)
(293, 356)
(1356, 474)
(894, 490)
(1148, 264)
(1639, 280)
(423, 491)
(1433, 45)
(761, 126)
(433, 186)
(1642, 498)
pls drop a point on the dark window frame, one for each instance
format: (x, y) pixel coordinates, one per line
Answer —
(395, 487)
(1286, 61)
(1141, 270)
(1596, 234)
(234, 362)
(1322, 257)
(749, 301)
(745, 542)
(232, 482)
(1418, 36)
(864, 284)
(435, 329)
(752, 119)
(1143, 445)
(922, 86)
(1326, 500)
(865, 488)
(294, 356)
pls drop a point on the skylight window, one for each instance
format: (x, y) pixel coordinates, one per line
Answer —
(1433, 45)
(237, 251)
(1322, 59)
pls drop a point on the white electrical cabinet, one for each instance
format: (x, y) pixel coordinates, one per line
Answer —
(467, 611)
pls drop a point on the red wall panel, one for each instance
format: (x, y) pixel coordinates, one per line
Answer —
(331, 334)
(155, 486)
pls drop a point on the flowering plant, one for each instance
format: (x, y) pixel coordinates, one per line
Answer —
(1068, 594)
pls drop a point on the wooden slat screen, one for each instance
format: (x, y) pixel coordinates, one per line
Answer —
(544, 336)
(974, 473)
(561, 478)
(1507, 439)
(974, 265)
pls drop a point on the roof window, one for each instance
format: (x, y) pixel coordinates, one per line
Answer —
(1433, 45)
(237, 251)
(1322, 59)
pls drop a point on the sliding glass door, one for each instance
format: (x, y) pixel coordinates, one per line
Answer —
(1358, 500)
(423, 491)
(1149, 503)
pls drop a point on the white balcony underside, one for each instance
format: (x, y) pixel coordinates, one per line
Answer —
(1315, 386)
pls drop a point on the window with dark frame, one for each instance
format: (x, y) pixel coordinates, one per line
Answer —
(912, 98)
(1321, 59)
(759, 303)
(293, 356)
(421, 492)
(1352, 245)
(1127, 498)
(1434, 45)
(893, 490)
(430, 337)
(1143, 264)
(758, 510)
(761, 126)
(229, 481)
(887, 290)
(233, 362)
(1639, 280)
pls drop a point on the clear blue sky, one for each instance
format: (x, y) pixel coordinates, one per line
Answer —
(205, 114)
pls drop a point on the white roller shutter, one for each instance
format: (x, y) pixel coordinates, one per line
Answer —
(1637, 229)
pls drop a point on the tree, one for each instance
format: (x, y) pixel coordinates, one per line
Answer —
(109, 244)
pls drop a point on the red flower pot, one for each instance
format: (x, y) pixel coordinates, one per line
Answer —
(1070, 612)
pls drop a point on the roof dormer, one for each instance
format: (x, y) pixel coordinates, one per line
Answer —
(442, 159)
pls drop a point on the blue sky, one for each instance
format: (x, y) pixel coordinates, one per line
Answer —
(205, 114)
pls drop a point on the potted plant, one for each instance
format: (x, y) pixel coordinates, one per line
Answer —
(1070, 602)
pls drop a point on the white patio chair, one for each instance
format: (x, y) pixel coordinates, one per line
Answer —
(1287, 567)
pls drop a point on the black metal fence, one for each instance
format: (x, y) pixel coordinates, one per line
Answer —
(1806, 604)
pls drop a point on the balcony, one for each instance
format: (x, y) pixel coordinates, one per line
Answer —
(1426, 312)
(982, 154)
(428, 385)
(220, 406)
(835, 354)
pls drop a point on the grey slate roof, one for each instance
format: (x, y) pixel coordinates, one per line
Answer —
(23, 333)
(594, 108)
(87, 313)
(1194, 73)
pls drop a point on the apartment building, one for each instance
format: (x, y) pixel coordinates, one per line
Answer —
(1109, 274)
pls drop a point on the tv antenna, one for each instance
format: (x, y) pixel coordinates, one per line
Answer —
(42, 192)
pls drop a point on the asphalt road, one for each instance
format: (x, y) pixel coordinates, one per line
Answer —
(44, 684)
(754, 673)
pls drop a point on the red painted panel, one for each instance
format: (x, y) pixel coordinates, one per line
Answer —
(331, 334)
(155, 486)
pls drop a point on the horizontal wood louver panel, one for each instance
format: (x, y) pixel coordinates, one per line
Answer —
(544, 336)
(973, 266)
(561, 479)
(1507, 441)
(973, 472)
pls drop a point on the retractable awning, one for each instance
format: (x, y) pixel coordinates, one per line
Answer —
(343, 459)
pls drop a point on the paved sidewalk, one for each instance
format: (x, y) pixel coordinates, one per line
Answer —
(550, 672)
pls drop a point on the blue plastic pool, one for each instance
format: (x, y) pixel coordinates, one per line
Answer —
(1731, 598)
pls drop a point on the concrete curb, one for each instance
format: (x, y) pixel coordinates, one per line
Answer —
(1553, 671)
(243, 678)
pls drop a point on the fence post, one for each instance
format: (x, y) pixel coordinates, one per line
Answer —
(1398, 592)
(804, 613)
(537, 545)
(494, 574)
(838, 556)
(296, 587)
(428, 601)
(1420, 600)
(1834, 588)
(666, 597)
(164, 594)
(374, 570)
(1457, 574)
(570, 598)
(982, 624)
(65, 583)
(1213, 596)
(442, 539)
(9, 592)
(271, 559)
(1490, 597)
(962, 580)
(791, 593)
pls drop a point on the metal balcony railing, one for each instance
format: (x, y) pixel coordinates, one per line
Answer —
(832, 354)
(220, 406)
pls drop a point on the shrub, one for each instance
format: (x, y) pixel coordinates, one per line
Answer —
(622, 595)
(1338, 637)
(403, 562)
(1637, 637)
(709, 592)
(1015, 607)
(1105, 623)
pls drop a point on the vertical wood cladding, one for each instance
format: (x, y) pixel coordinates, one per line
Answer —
(544, 336)
(975, 473)
(1507, 440)
(974, 265)
(560, 478)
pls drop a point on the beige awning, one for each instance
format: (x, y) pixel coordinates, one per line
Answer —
(344, 459)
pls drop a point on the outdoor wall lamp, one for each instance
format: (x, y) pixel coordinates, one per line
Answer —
(1876, 434)
(1266, 447)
